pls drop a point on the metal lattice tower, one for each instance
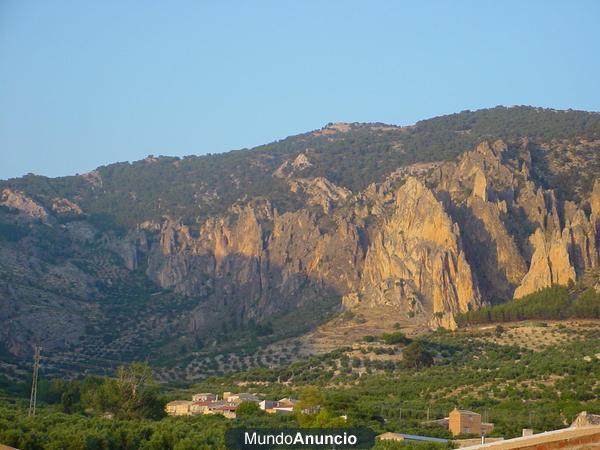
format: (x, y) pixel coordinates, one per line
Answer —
(34, 381)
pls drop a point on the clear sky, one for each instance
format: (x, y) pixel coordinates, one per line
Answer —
(85, 83)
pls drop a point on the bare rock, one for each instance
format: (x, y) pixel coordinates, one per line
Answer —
(550, 264)
(416, 260)
(25, 205)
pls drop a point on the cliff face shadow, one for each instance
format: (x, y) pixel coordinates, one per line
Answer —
(482, 253)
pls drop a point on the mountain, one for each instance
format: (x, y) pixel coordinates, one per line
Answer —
(181, 259)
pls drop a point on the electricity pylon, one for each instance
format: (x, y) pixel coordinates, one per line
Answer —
(34, 381)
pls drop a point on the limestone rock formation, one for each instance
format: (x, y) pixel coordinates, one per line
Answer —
(24, 204)
(480, 186)
(427, 240)
(238, 267)
(290, 168)
(416, 261)
(63, 206)
(550, 264)
(320, 191)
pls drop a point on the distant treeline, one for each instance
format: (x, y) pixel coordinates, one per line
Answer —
(552, 303)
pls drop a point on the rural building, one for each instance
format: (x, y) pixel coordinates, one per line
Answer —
(475, 441)
(204, 397)
(461, 421)
(227, 411)
(179, 408)
(283, 406)
(584, 419)
(204, 407)
(586, 437)
(267, 405)
(287, 401)
(241, 397)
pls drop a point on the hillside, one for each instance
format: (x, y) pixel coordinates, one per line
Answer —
(537, 375)
(184, 260)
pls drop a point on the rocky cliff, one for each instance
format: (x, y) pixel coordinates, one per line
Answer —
(428, 240)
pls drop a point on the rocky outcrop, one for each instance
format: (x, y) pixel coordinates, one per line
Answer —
(25, 205)
(428, 241)
(579, 233)
(256, 263)
(63, 206)
(500, 265)
(320, 192)
(550, 264)
(293, 167)
(416, 261)
(480, 186)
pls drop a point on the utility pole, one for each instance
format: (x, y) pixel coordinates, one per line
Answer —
(34, 380)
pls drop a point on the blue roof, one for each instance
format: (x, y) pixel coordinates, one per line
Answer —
(414, 437)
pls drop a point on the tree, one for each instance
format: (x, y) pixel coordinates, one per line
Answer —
(311, 399)
(397, 337)
(248, 409)
(133, 393)
(415, 355)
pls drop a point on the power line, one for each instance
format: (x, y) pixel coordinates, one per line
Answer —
(34, 381)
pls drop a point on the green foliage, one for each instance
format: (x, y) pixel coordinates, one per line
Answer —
(586, 306)
(12, 233)
(513, 387)
(551, 303)
(57, 431)
(416, 355)
(248, 409)
(131, 394)
(396, 337)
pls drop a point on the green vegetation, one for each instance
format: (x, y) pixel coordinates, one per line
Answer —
(416, 355)
(552, 303)
(397, 337)
(12, 233)
(512, 386)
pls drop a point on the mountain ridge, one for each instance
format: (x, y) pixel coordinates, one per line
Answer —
(277, 239)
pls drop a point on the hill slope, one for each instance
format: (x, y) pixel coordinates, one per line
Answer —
(179, 259)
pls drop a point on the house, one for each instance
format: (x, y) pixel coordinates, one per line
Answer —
(584, 419)
(389, 436)
(283, 410)
(475, 441)
(204, 407)
(226, 410)
(204, 397)
(283, 406)
(461, 421)
(179, 408)
(239, 398)
(287, 401)
(268, 405)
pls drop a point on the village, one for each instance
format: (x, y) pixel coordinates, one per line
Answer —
(584, 429)
(209, 403)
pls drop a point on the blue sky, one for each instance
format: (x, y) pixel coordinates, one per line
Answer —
(86, 83)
